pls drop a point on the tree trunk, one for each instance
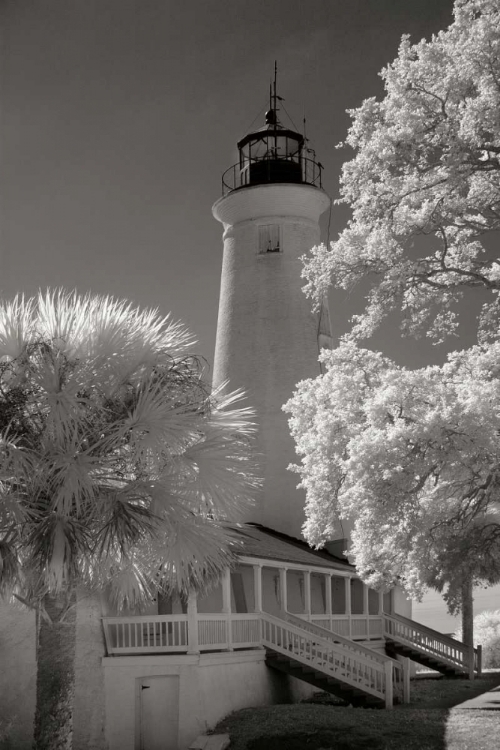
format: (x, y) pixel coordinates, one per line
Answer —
(468, 623)
(467, 613)
(55, 680)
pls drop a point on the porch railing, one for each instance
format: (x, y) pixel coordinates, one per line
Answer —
(170, 633)
(356, 627)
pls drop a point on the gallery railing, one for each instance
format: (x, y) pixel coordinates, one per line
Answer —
(291, 169)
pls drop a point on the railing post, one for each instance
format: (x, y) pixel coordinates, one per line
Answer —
(406, 678)
(257, 584)
(471, 662)
(348, 605)
(479, 667)
(192, 615)
(388, 684)
(107, 640)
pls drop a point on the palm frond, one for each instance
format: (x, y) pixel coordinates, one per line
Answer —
(69, 480)
(224, 414)
(222, 476)
(63, 320)
(56, 547)
(126, 520)
(16, 325)
(156, 425)
(194, 554)
(128, 585)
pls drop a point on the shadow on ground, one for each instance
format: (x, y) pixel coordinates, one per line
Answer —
(324, 723)
(317, 741)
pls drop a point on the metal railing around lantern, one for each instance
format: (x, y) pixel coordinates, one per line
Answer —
(263, 171)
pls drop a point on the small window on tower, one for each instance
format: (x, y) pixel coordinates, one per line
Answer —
(269, 238)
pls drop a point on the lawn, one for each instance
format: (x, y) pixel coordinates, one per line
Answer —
(324, 723)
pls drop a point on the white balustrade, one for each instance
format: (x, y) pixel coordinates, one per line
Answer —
(245, 630)
(363, 627)
(431, 643)
(169, 633)
(347, 664)
(146, 634)
(400, 670)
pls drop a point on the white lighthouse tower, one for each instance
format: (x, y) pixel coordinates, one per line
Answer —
(267, 337)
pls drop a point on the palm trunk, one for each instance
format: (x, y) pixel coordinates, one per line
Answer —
(55, 681)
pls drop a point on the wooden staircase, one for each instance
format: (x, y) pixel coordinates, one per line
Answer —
(332, 663)
(430, 648)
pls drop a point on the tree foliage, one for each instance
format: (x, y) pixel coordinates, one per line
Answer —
(427, 165)
(412, 457)
(487, 633)
(117, 466)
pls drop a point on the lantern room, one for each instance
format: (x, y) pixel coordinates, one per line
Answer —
(272, 154)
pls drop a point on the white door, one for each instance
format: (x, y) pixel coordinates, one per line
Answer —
(159, 713)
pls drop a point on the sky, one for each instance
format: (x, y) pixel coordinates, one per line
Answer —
(118, 118)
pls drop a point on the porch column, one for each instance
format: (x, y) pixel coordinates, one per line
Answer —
(380, 603)
(366, 609)
(348, 605)
(283, 591)
(307, 594)
(192, 618)
(226, 591)
(257, 587)
(226, 605)
(328, 598)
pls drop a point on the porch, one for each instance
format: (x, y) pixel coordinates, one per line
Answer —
(229, 618)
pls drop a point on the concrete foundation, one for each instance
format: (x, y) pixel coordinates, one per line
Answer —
(210, 686)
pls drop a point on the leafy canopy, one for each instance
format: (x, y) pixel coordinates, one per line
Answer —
(412, 457)
(427, 165)
(116, 464)
(487, 633)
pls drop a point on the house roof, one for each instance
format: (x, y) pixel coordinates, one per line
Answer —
(262, 542)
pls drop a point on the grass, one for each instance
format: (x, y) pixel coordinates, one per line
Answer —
(323, 723)
(482, 726)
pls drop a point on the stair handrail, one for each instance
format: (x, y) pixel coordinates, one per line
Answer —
(446, 640)
(384, 672)
(330, 634)
(454, 642)
(320, 640)
(401, 674)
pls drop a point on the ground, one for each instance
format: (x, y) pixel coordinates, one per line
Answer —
(430, 722)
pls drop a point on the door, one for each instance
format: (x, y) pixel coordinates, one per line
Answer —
(159, 712)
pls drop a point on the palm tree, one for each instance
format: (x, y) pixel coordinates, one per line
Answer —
(118, 469)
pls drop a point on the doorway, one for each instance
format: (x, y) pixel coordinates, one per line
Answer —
(158, 712)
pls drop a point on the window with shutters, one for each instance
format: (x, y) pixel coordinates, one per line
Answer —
(269, 238)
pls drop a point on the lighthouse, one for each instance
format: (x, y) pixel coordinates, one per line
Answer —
(268, 339)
